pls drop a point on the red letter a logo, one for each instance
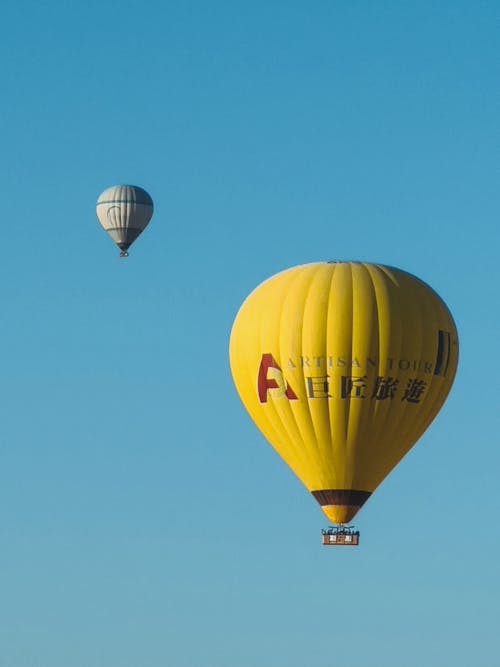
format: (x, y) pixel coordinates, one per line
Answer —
(271, 378)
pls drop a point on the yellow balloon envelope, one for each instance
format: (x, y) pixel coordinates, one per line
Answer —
(342, 366)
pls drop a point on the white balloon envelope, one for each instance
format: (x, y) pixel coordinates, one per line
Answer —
(124, 212)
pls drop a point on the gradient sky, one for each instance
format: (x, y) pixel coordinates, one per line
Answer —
(144, 521)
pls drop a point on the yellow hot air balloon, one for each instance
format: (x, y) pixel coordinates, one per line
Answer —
(342, 366)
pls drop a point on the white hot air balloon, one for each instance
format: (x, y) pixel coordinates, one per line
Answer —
(124, 211)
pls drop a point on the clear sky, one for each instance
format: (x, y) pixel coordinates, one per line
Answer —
(144, 521)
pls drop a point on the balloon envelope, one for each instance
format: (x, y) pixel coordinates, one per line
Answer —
(124, 211)
(342, 366)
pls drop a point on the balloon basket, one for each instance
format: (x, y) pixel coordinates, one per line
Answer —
(124, 253)
(336, 536)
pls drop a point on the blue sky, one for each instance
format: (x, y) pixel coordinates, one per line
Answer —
(143, 518)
